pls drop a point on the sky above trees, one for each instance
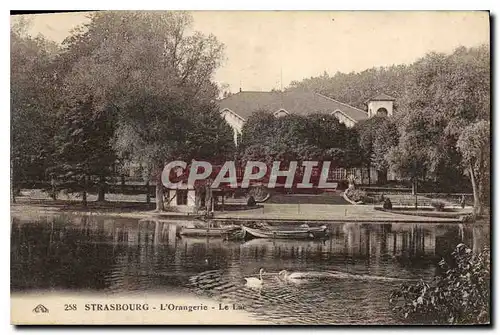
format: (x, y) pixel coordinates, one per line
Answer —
(265, 50)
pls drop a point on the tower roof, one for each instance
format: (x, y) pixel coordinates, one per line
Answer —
(381, 97)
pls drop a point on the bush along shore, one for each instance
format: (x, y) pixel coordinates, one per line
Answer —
(459, 294)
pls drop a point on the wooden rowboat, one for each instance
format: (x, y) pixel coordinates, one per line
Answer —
(208, 232)
(294, 233)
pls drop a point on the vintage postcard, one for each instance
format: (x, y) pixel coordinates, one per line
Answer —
(250, 167)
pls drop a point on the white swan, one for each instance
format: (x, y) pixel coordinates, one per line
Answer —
(294, 277)
(255, 282)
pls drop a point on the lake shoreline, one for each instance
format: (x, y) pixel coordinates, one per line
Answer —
(289, 213)
(30, 209)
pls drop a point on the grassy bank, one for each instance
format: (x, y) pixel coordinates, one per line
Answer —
(140, 210)
(268, 211)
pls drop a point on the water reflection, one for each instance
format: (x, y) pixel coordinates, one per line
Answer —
(116, 255)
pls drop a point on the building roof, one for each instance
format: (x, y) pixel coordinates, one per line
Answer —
(246, 103)
(381, 97)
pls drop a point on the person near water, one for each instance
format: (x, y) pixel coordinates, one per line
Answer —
(462, 201)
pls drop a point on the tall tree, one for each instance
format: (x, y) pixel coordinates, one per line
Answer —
(32, 103)
(258, 129)
(377, 136)
(386, 138)
(156, 73)
(410, 158)
(444, 94)
(84, 152)
(474, 145)
(209, 137)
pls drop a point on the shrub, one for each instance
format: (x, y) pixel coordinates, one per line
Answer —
(459, 295)
(251, 201)
(387, 203)
(438, 205)
(258, 192)
(356, 194)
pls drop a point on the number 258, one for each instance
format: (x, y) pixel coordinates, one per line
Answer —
(70, 307)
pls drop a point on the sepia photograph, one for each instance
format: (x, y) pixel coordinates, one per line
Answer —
(250, 168)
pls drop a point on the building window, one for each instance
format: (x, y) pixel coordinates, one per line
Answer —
(352, 172)
(182, 197)
(337, 174)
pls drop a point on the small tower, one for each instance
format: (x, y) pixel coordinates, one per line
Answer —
(381, 105)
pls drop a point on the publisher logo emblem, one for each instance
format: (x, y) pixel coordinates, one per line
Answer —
(40, 309)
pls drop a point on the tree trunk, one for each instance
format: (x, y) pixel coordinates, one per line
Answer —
(160, 206)
(208, 198)
(477, 202)
(101, 193)
(53, 189)
(382, 177)
(84, 193)
(148, 196)
(13, 186)
(13, 191)
(369, 174)
(222, 196)
(414, 191)
(480, 184)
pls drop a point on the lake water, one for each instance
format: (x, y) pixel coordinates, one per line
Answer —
(350, 275)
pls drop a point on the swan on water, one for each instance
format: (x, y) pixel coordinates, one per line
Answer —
(294, 277)
(255, 282)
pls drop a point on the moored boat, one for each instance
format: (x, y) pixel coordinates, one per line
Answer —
(299, 233)
(208, 232)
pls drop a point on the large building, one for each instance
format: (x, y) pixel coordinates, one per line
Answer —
(238, 107)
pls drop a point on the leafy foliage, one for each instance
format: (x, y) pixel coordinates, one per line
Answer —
(377, 136)
(125, 88)
(474, 145)
(438, 97)
(156, 75)
(409, 157)
(355, 88)
(301, 138)
(356, 195)
(84, 152)
(444, 95)
(459, 295)
(32, 102)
